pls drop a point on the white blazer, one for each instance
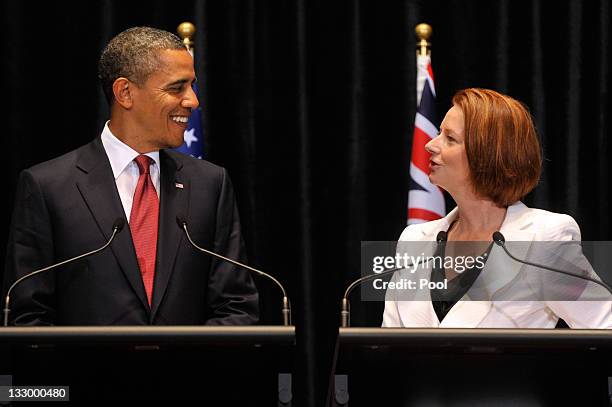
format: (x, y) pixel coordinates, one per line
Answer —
(521, 224)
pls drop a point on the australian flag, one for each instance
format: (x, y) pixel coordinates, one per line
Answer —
(425, 201)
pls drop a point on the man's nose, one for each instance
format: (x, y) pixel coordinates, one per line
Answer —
(191, 100)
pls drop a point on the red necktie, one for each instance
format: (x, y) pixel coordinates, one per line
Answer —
(143, 223)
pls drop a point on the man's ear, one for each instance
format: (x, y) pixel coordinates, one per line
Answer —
(122, 89)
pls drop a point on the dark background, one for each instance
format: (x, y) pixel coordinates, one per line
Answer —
(310, 106)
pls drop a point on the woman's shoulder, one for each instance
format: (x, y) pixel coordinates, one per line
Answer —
(548, 225)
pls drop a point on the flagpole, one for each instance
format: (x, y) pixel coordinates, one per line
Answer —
(423, 53)
(425, 201)
(423, 32)
(186, 31)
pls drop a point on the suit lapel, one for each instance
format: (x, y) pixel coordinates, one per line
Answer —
(174, 198)
(430, 230)
(415, 304)
(466, 314)
(416, 308)
(499, 270)
(418, 314)
(97, 186)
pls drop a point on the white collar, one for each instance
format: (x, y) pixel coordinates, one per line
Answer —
(517, 218)
(120, 154)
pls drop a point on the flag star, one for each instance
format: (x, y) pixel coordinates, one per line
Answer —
(190, 137)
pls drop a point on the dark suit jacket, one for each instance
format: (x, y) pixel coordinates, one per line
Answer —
(67, 206)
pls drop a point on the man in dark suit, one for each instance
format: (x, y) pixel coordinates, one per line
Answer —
(150, 274)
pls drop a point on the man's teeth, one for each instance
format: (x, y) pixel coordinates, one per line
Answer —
(180, 119)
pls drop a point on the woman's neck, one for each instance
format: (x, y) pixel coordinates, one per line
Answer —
(477, 219)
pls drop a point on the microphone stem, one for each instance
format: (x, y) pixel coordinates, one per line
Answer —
(601, 283)
(286, 304)
(8, 293)
(345, 314)
(286, 312)
(6, 310)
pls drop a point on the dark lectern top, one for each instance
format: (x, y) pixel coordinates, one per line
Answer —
(156, 334)
(437, 338)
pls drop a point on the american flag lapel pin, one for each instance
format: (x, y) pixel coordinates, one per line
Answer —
(179, 185)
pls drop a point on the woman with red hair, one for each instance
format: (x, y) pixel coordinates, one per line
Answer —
(487, 157)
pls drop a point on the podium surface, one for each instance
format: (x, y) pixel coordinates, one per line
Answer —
(214, 365)
(513, 367)
(159, 334)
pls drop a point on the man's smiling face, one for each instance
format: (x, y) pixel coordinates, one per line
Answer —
(162, 105)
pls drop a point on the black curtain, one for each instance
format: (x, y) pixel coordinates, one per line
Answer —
(310, 106)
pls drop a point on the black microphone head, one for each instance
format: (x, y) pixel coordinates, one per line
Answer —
(118, 224)
(498, 238)
(180, 220)
(442, 236)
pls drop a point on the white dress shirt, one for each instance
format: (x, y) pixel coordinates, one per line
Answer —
(125, 169)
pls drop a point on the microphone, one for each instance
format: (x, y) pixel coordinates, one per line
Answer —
(117, 227)
(442, 236)
(286, 310)
(500, 240)
(345, 313)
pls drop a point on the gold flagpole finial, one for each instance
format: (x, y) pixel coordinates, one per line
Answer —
(186, 31)
(423, 32)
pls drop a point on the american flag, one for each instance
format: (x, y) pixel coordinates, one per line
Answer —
(425, 201)
(193, 137)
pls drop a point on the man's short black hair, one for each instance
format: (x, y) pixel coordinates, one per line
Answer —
(133, 54)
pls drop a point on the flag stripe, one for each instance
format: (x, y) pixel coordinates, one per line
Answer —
(420, 157)
(424, 214)
(425, 125)
(427, 107)
(430, 72)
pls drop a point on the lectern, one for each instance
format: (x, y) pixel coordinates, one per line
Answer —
(173, 365)
(470, 367)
